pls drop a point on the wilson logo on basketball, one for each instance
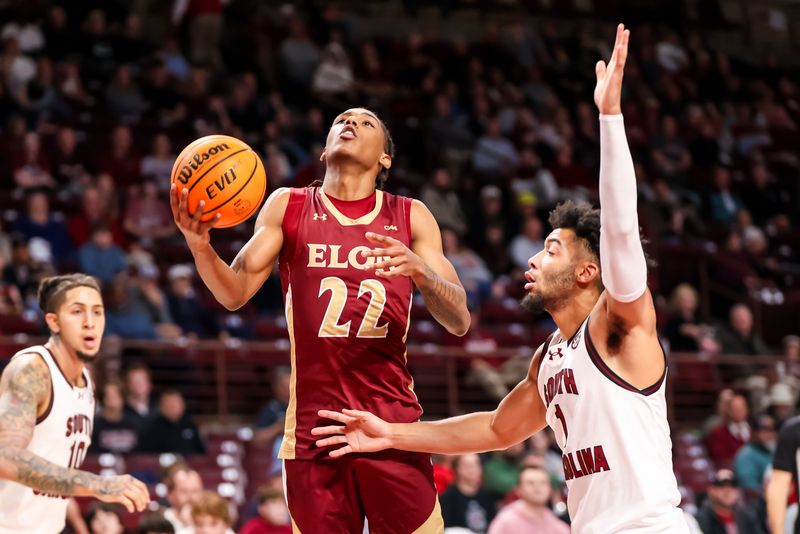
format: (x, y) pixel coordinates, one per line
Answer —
(197, 161)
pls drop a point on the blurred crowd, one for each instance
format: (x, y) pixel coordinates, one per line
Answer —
(493, 128)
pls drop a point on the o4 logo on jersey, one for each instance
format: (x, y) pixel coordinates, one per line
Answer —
(390, 227)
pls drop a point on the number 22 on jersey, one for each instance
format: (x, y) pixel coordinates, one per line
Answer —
(369, 327)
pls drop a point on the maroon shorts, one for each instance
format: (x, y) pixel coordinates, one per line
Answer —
(393, 489)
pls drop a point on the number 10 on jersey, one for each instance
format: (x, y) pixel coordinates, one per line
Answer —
(369, 327)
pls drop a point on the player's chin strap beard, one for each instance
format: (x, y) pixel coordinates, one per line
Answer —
(84, 357)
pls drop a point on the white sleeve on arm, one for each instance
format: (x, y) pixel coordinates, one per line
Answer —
(622, 262)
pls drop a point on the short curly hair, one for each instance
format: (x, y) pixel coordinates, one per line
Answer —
(582, 219)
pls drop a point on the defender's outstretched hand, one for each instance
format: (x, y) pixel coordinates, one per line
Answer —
(608, 92)
(362, 432)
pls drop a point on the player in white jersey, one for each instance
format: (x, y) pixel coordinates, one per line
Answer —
(46, 416)
(598, 380)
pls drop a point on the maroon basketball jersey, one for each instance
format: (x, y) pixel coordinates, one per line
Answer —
(347, 326)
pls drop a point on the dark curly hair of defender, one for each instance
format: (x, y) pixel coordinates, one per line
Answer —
(53, 290)
(582, 219)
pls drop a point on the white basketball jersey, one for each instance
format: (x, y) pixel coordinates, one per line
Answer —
(615, 441)
(61, 436)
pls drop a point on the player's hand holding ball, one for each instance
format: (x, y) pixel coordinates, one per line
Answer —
(217, 181)
(402, 261)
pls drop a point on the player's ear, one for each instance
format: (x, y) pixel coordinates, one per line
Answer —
(52, 322)
(385, 161)
(324, 154)
(588, 272)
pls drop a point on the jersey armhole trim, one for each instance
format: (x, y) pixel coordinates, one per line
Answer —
(605, 370)
(407, 202)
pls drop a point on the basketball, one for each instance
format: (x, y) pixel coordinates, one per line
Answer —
(224, 172)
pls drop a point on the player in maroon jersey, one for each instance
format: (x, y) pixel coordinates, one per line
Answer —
(350, 256)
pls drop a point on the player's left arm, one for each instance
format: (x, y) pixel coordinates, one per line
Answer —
(623, 265)
(427, 266)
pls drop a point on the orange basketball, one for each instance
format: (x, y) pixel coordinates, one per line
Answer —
(224, 172)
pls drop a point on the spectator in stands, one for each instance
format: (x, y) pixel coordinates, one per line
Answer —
(781, 402)
(527, 244)
(788, 369)
(70, 168)
(671, 157)
(147, 216)
(190, 314)
(723, 202)
(120, 159)
(157, 166)
(501, 472)
(683, 330)
(104, 518)
(471, 269)
(494, 250)
(123, 99)
(154, 523)
(333, 80)
(139, 403)
(466, 503)
(94, 211)
(172, 429)
(100, 257)
(543, 444)
(270, 419)
(724, 441)
(723, 512)
(273, 515)
(752, 460)
(443, 474)
(738, 337)
(204, 20)
(184, 487)
(128, 314)
(37, 221)
(531, 513)
(115, 430)
(22, 272)
(299, 57)
(31, 166)
(211, 514)
(494, 155)
(439, 196)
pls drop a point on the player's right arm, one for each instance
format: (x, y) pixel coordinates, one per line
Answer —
(24, 389)
(518, 416)
(233, 285)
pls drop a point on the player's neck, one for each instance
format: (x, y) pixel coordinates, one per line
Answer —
(67, 361)
(345, 183)
(570, 317)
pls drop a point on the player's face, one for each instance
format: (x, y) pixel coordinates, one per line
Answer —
(551, 278)
(357, 135)
(206, 524)
(80, 321)
(534, 487)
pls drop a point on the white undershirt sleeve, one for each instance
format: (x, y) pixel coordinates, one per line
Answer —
(622, 261)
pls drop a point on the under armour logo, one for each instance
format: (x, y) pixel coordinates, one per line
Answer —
(556, 352)
(317, 216)
(390, 227)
